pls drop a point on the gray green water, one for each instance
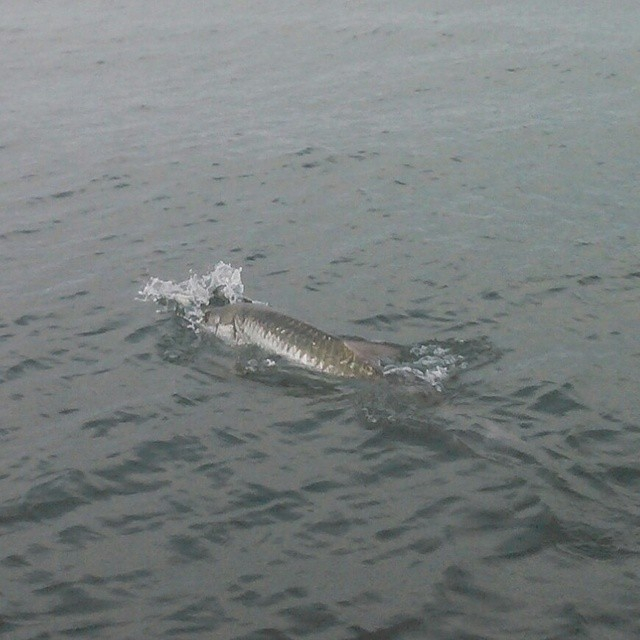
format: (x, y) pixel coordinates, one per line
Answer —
(428, 171)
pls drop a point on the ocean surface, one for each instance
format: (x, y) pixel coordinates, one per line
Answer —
(458, 175)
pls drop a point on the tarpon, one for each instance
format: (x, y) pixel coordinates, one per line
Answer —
(297, 341)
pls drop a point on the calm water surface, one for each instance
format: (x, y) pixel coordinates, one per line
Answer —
(450, 171)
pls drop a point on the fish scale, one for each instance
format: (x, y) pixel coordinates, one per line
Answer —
(297, 341)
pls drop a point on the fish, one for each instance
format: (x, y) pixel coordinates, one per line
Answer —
(300, 343)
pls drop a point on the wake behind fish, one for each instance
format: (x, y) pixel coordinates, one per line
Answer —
(430, 363)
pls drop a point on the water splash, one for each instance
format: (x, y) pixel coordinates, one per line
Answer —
(190, 297)
(433, 364)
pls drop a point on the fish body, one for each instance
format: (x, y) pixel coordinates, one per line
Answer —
(297, 341)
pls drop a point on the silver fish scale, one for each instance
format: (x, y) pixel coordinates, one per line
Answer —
(301, 343)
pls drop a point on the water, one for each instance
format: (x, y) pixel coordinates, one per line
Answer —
(431, 173)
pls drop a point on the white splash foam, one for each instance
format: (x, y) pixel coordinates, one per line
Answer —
(433, 365)
(193, 294)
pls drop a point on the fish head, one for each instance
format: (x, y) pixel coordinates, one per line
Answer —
(221, 321)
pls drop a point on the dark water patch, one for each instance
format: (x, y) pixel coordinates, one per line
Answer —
(76, 294)
(582, 540)
(187, 402)
(527, 391)
(587, 437)
(435, 508)
(27, 367)
(342, 260)
(177, 448)
(319, 416)
(228, 439)
(110, 325)
(19, 232)
(462, 609)
(147, 468)
(431, 436)
(78, 536)
(6, 336)
(590, 484)
(514, 412)
(87, 630)
(159, 198)
(525, 403)
(240, 517)
(425, 546)
(51, 498)
(336, 525)
(85, 360)
(14, 561)
(380, 320)
(250, 597)
(6, 625)
(278, 272)
(219, 533)
(387, 534)
(309, 618)
(557, 402)
(363, 155)
(101, 426)
(204, 615)
(627, 476)
(71, 598)
(39, 576)
(265, 634)
(142, 521)
(188, 548)
(529, 535)
(141, 334)
(27, 319)
(383, 461)
(322, 486)
(269, 504)
(112, 178)
(393, 631)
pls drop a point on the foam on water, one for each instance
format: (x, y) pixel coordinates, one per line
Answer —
(190, 297)
(433, 365)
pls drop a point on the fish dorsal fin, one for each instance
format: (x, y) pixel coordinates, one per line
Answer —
(372, 351)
